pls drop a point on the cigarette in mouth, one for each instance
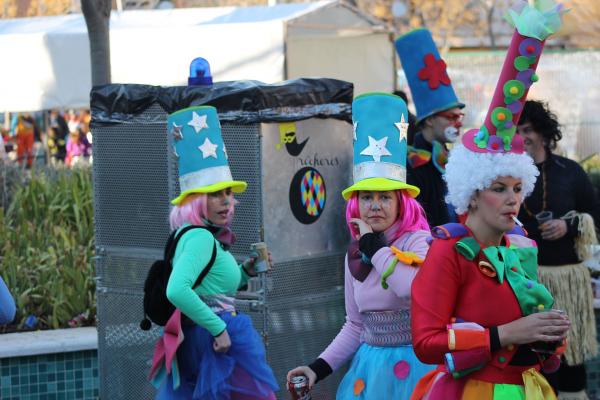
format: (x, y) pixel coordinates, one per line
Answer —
(514, 217)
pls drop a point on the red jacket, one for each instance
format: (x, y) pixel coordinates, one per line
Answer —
(449, 286)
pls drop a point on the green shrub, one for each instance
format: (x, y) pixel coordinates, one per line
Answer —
(46, 244)
(591, 165)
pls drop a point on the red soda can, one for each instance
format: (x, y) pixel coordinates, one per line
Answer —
(298, 387)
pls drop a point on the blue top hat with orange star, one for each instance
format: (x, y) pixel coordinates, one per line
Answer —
(380, 127)
(200, 152)
(426, 74)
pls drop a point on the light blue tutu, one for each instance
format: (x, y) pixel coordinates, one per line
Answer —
(386, 373)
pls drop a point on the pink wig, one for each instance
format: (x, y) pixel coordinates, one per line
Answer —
(194, 210)
(411, 216)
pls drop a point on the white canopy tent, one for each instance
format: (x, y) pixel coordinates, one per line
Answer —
(46, 62)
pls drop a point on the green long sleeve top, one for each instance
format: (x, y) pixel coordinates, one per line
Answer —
(192, 255)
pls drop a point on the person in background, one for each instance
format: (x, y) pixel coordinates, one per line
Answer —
(3, 153)
(562, 215)
(439, 119)
(78, 148)
(389, 240)
(57, 137)
(25, 136)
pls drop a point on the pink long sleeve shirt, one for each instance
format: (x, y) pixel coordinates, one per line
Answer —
(371, 296)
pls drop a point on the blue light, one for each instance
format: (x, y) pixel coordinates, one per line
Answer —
(199, 73)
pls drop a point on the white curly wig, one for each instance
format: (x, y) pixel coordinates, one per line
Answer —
(467, 171)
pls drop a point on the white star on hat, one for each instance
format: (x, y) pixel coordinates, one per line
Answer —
(376, 149)
(402, 127)
(208, 149)
(355, 126)
(198, 122)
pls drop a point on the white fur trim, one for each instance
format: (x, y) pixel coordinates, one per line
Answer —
(467, 171)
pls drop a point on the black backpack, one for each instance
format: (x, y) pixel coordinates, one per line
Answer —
(157, 307)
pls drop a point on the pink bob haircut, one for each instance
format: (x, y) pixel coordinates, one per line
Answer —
(411, 216)
(194, 210)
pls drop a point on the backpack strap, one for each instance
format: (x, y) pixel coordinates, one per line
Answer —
(172, 246)
(174, 239)
(207, 268)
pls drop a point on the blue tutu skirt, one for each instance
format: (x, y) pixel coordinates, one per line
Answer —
(240, 374)
(382, 373)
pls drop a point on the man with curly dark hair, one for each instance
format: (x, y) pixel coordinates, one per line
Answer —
(561, 215)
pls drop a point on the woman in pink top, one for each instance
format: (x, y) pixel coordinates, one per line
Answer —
(389, 233)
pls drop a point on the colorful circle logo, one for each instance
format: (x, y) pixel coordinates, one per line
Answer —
(307, 195)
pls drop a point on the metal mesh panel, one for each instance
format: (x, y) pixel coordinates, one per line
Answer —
(124, 268)
(131, 196)
(308, 276)
(125, 351)
(299, 330)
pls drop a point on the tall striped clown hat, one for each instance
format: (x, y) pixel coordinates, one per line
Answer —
(200, 152)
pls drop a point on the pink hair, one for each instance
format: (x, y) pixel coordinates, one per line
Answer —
(411, 216)
(194, 210)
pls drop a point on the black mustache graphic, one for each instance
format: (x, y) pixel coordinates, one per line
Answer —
(295, 148)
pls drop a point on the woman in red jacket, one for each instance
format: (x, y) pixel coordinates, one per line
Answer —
(478, 310)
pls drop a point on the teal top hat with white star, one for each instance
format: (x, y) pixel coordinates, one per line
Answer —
(200, 152)
(380, 127)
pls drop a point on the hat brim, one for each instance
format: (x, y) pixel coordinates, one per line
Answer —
(236, 187)
(380, 185)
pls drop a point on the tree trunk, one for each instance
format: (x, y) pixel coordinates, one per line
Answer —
(97, 17)
(490, 20)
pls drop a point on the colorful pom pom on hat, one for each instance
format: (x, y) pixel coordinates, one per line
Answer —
(380, 129)
(426, 73)
(200, 152)
(535, 23)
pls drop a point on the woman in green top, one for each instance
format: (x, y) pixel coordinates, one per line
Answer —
(221, 356)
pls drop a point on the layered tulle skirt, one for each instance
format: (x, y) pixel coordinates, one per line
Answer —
(241, 373)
